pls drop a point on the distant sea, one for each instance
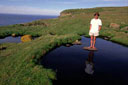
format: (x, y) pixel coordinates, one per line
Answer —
(10, 19)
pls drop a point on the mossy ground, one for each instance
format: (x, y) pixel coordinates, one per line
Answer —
(19, 61)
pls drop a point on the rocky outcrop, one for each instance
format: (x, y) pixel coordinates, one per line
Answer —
(125, 28)
(26, 38)
(65, 14)
(13, 35)
(114, 25)
(2, 48)
(68, 45)
(52, 33)
(90, 49)
(107, 37)
(77, 42)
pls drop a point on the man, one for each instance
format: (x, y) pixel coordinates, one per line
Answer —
(89, 63)
(95, 27)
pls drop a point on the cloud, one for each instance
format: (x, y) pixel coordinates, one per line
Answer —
(28, 10)
(19, 0)
(67, 3)
(111, 5)
(113, 0)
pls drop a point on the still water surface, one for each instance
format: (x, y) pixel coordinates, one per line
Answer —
(73, 65)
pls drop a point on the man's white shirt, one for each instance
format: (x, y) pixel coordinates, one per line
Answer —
(95, 23)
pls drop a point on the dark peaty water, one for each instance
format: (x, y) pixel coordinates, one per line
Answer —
(9, 19)
(11, 39)
(75, 66)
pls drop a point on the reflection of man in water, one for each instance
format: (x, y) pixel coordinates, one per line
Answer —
(89, 63)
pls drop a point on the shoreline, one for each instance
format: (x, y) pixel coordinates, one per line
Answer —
(26, 18)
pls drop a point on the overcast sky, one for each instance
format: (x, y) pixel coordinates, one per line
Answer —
(53, 7)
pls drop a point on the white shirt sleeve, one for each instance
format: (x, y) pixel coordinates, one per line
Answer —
(100, 22)
(91, 21)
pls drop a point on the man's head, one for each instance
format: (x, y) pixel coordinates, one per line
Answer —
(96, 15)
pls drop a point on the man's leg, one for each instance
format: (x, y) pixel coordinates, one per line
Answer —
(91, 41)
(94, 41)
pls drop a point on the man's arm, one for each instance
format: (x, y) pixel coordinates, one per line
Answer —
(90, 27)
(100, 27)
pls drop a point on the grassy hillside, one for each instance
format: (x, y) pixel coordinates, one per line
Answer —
(19, 62)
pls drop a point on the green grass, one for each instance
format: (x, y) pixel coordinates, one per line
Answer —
(19, 61)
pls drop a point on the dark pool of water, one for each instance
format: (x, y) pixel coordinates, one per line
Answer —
(11, 39)
(75, 66)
